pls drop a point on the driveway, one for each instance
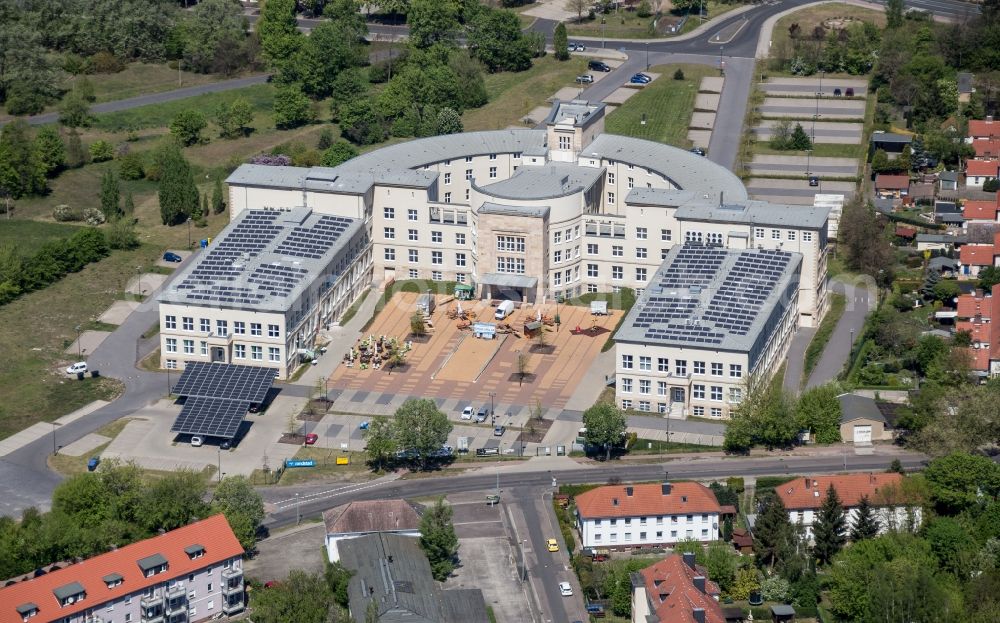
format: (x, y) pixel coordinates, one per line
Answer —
(860, 302)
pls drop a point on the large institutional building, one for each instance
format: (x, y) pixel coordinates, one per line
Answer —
(534, 215)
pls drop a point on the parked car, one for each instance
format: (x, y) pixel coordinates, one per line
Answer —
(813, 180)
(253, 408)
(598, 66)
(363, 425)
(849, 92)
(467, 413)
(225, 444)
(641, 77)
(76, 368)
(565, 589)
(637, 80)
(576, 47)
(552, 545)
(837, 92)
(197, 442)
(481, 415)
(499, 430)
(311, 439)
(487, 451)
(170, 256)
(585, 79)
(697, 151)
(93, 463)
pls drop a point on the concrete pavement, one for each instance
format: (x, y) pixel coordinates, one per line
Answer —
(860, 302)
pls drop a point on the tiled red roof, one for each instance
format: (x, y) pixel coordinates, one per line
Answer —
(850, 488)
(893, 182)
(986, 148)
(979, 128)
(971, 305)
(978, 209)
(982, 168)
(646, 500)
(213, 534)
(905, 232)
(976, 254)
(671, 589)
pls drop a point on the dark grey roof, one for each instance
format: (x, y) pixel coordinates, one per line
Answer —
(660, 197)
(392, 571)
(67, 590)
(265, 259)
(112, 577)
(951, 218)
(948, 176)
(943, 238)
(783, 610)
(395, 515)
(510, 210)
(884, 205)
(756, 213)
(965, 82)
(942, 263)
(889, 137)
(946, 207)
(191, 550)
(151, 562)
(854, 407)
(714, 298)
(555, 179)
(578, 112)
(25, 608)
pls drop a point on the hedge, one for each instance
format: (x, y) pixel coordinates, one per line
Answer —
(50, 263)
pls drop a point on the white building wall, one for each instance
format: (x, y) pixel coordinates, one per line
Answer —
(625, 532)
(889, 518)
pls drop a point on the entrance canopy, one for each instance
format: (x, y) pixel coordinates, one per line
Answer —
(504, 280)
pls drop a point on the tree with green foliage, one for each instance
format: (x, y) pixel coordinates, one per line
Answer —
(211, 29)
(338, 153)
(235, 118)
(420, 426)
(800, 141)
(495, 39)
(818, 410)
(330, 49)
(721, 562)
(361, 124)
(747, 581)
(774, 535)
(606, 425)
(894, 13)
(218, 197)
(51, 150)
(952, 544)
(278, 32)
(22, 171)
(291, 107)
(76, 157)
(866, 523)
(177, 191)
(129, 208)
(110, 196)
(186, 127)
(174, 501)
(830, 528)
(959, 481)
(863, 238)
(121, 234)
(432, 22)
(438, 539)
(989, 277)
(380, 441)
(101, 151)
(325, 139)
(301, 598)
(236, 498)
(338, 578)
(448, 122)
(74, 112)
(560, 41)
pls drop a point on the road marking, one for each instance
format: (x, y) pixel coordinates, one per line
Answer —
(715, 38)
(284, 504)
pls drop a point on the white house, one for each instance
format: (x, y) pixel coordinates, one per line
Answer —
(647, 515)
(803, 498)
(357, 519)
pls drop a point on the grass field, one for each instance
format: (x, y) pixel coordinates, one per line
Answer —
(812, 16)
(820, 150)
(29, 235)
(260, 96)
(667, 104)
(514, 95)
(628, 25)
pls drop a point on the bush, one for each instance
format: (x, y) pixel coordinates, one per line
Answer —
(679, 74)
(105, 63)
(64, 214)
(131, 167)
(991, 185)
(53, 260)
(93, 216)
(101, 151)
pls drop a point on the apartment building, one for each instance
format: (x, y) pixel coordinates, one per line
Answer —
(979, 314)
(263, 289)
(675, 590)
(803, 498)
(192, 573)
(647, 515)
(711, 320)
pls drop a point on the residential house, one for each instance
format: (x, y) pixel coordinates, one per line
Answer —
(803, 497)
(861, 421)
(975, 257)
(364, 517)
(647, 515)
(892, 185)
(948, 180)
(981, 211)
(938, 242)
(965, 88)
(986, 149)
(979, 314)
(906, 233)
(189, 574)
(948, 213)
(978, 171)
(391, 571)
(947, 266)
(890, 143)
(675, 590)
(983, 129)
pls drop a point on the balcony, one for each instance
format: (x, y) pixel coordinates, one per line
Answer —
(231, 604)
(152, 614)
(178, 617)
(232, 581)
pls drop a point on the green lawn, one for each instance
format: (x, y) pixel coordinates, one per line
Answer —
(29, 235)
(820, 150)
(628, 25)
(811, 16)
(667, 104)
(260, 96)
(514, 95)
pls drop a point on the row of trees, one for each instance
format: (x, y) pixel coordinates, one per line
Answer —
(21, 273)
(94, 512)
(770, 417)
(418, 430)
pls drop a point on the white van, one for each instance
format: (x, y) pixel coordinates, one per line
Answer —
(504, 309)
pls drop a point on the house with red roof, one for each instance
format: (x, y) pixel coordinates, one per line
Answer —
(803, 498)
(981, 210)
(984, 129)
(986, 149)
(979, 314)
(978, 171)
(192, 573)
(675, 590)
(892, 185)
(647, 515)
(975, 257)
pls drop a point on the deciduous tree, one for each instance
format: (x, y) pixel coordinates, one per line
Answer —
(338, 153)
(186, 127)
(818, 409)
(381, 441)
(438, 539)
(560, 41)
(177, 192)
(496, 40)
(958, 480)
(21, 170)
(243, 507)
(419, 425)
(291, 107)
(51, 150)
(605, 424)
(301, 598)
(432, 22)
(110, 196)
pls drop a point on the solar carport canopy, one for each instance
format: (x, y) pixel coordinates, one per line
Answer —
(217, 396)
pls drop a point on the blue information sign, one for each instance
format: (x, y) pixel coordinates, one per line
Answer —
(300, 463)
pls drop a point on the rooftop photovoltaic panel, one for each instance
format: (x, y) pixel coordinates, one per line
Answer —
(212, 417)
(225, 381)
(313, 241)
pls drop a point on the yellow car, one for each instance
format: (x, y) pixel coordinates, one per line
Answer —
(553, 545)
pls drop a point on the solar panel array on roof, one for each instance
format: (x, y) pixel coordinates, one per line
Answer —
(213, 417)
(313, 242)
(748, 284)
(695, 265)
(226, 381)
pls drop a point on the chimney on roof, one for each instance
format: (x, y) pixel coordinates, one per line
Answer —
(699, 583)
(698, 614)
(629, 491)
(689, 559)
(808, 483)
(665, 488)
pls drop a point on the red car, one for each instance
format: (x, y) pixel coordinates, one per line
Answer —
(311, 438)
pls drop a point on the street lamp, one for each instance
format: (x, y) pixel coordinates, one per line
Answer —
(189, 232)
(54, 425)
(218, 451)
(603, 24)
(493, 413)
(298, 510)
(79, 347)
(647, 56)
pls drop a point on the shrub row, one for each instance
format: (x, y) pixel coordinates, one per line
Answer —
(51, 262)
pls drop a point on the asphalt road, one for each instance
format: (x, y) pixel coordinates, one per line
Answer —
(860, 302)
